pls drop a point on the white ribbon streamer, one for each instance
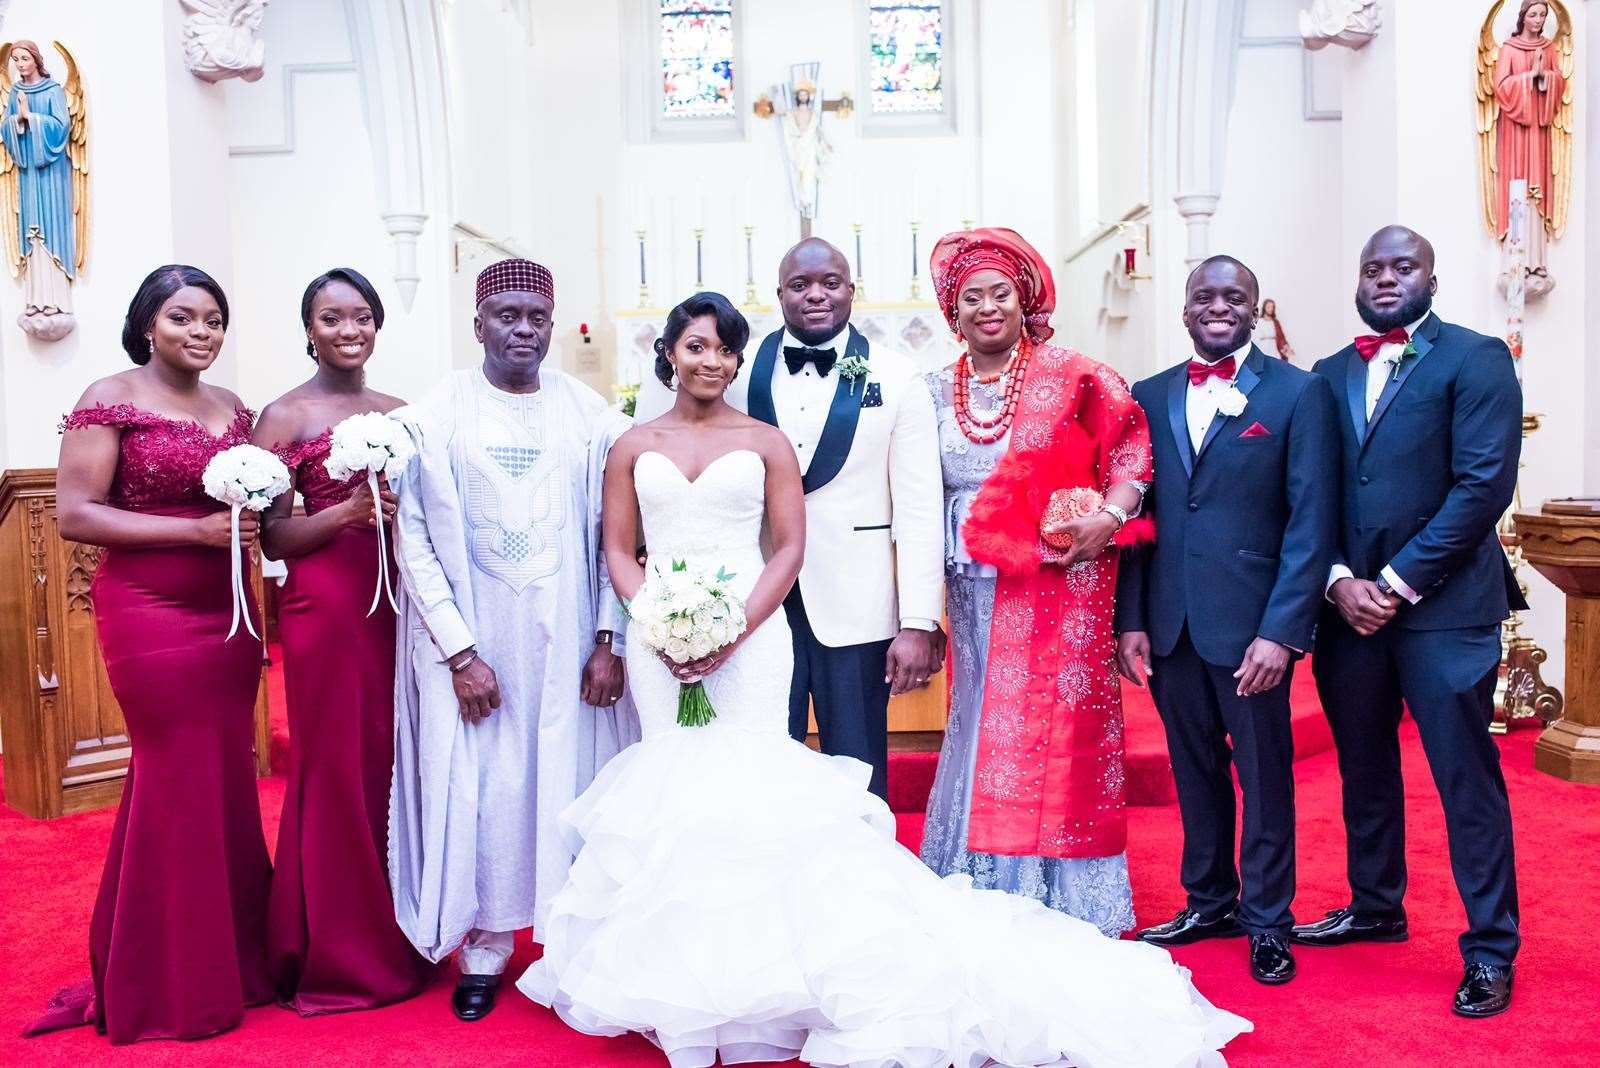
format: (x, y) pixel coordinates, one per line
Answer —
(241, 605)
(383, 586)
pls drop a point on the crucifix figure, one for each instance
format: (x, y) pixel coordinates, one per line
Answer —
(805, 148)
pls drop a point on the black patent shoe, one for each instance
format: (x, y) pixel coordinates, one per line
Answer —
(1485, 990)
(1271, 961)
(1189, 926)
(1343, 926)
(474, 996)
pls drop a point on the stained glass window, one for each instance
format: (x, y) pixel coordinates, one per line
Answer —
(906, 66)
(697, 59)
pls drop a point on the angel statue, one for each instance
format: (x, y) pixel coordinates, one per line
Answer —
(1525, 124)
(44, 184)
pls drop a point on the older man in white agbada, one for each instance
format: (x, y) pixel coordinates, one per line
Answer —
(509, 680)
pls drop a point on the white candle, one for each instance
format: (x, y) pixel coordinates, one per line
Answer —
(747, 206)
(916, 197)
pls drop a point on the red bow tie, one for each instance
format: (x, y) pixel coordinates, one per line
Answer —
(1199, 370)
(1369, 344)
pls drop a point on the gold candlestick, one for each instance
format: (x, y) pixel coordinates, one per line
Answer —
(644, 284)
(916, 281)
(861, 285)
(749, 267)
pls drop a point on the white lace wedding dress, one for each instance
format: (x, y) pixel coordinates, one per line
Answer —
(736, 894)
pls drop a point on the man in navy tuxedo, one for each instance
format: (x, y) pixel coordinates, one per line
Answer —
(1431, 429)
(1216, 612)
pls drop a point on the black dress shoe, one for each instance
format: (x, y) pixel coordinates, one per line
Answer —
(474, 996)
(1188, 926)
(1485, 990)
(1270, 959)
(1342, 926)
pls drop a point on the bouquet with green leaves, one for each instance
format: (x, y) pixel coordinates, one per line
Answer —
(685, 614)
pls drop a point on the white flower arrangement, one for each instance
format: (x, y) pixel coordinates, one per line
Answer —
(243, 477)
(853, 367)
(686, 614)
(371, 443)
(1231, 402)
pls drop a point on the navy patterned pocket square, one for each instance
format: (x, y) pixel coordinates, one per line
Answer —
(873, 397)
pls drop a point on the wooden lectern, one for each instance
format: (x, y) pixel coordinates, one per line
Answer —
(1563, 542)
(66, 747)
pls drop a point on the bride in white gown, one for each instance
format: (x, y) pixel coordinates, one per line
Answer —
(736, 894)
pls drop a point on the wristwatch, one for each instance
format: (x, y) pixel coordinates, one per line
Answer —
(1383, 586)
(602, 637)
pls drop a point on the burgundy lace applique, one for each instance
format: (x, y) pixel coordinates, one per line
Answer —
(161, 458)
(305, 458)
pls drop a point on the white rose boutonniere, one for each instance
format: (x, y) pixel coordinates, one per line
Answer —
(1232, 402)
(853, 367)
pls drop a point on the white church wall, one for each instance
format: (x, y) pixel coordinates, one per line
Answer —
(1280, 207)
(301, 170)
(158, 194)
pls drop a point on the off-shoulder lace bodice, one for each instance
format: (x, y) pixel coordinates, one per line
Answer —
(305, 459)
(161, 458)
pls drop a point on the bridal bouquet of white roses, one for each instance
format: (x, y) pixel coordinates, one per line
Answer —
(686, 614)
(243, 477)
(373, 444)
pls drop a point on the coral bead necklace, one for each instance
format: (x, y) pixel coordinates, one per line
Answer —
(986, 430)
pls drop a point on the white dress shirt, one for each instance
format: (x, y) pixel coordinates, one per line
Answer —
(1379, 370)
(803, 401)
(1201, 401)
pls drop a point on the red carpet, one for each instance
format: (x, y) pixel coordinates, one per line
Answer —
(1358, 1006)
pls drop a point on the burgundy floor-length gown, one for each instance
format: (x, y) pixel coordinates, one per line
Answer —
(177, 944)
(333, 941)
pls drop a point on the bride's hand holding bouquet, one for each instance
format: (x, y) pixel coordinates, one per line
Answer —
(693, 621)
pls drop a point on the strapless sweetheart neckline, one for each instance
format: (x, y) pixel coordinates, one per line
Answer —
(704, 470)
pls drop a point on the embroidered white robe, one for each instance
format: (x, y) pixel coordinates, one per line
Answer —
(498, 539)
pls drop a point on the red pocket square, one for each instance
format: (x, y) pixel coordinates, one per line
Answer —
(1256, 431)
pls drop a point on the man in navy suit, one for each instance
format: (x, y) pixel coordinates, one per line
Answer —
(1431, 429)
(1215, 613)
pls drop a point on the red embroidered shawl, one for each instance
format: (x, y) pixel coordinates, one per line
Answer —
(1049, 776)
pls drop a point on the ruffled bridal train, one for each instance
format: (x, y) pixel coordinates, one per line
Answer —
(737, 895)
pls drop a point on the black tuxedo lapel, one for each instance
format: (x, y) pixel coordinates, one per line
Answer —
(1248, 378)
(833, 447)
(1355, 392)
(759, 396)
(1178, 416)
(1423, 343)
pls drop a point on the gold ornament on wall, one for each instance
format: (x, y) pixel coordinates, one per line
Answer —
(1525, 121)
(44, 182)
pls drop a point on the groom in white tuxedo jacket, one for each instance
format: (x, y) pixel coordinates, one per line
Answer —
(865, 612)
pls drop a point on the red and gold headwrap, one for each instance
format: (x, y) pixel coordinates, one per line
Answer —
(958, 256)
(516, 276)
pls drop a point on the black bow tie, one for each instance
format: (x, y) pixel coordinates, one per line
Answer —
(797, 357)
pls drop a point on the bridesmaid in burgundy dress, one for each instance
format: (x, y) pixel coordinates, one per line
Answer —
(177, 945)
(332, 938)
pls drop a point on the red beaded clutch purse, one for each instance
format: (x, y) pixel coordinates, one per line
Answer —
(1065, 505)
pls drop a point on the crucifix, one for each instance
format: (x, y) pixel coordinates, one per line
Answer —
(800, 137)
